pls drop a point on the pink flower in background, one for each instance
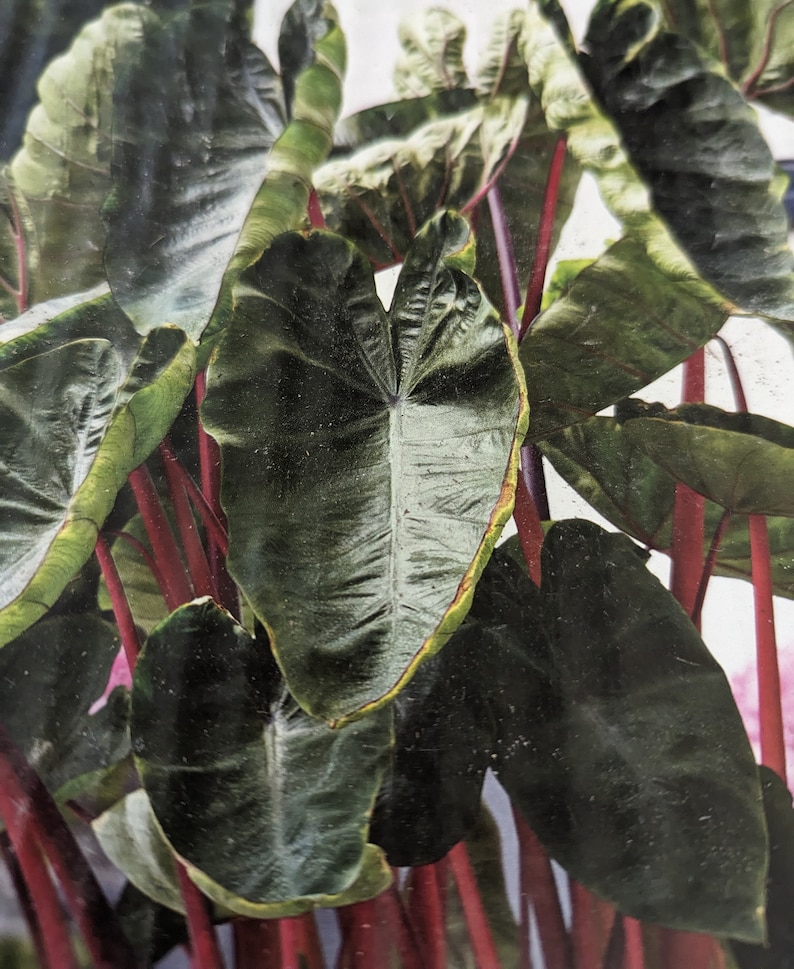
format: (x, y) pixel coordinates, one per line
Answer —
(745, 689)
(120, 675)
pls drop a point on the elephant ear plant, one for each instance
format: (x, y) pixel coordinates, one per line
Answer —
(262, 639)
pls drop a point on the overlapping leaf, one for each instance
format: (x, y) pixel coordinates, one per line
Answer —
(696, 143)
(287, 797)
(207, 174)
(62, 172)
(359, 522)
(641, 783)
(49, 678)
(431, 58)
(754, 41)
(79, 412)
(742, 462)
(623, 322)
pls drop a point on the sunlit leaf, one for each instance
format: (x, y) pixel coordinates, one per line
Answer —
(431, 58)
(396, 435)
(287, 797)
(697, 144)
(78, 414)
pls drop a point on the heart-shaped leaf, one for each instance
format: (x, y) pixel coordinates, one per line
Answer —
(697, 144)
(79, 412)
(355, 444)
(638, 777)
(227, 757)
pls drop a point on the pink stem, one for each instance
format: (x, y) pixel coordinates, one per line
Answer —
(118, 600)
(203, 940)
(773, 742)
(537, 275)
(256, 943)
(177, 589)
(316, 217)
(506, 256)
(427, 915)
(38, 899)
(395, 918)
(198, 566)
(635, 955)
(585, 943)
(482, 942)
(708, 566)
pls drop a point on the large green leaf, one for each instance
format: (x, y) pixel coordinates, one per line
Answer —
(228, 758)
(62, 171)
(743, 462)
(304, 26)
(431, 58)
(754, 41)
(638, 777)
(697, 144)
(596, 458)
(359, 522)
(78, 413)
(205, 171)
(49, 678)
(778, 953)
(623, 322)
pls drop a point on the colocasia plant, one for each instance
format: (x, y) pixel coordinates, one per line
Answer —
(262, 640)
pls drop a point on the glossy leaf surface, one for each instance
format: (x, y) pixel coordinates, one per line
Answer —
(62, 171)
(49, 678)
(397, 434)
(697, 144)
(206, 149)
(623, 322)
(742, 462)
(754, 41)
(641, 781)
(287, 797)
(78, 414)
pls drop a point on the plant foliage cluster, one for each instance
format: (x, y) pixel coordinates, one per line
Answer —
(271, 506)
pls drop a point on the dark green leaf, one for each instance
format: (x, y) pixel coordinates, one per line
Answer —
(197, 111)
(754, 41)
(432, 54)
(638, 777)
(623, 322)
(153, 930)
(778, 953)
(78, 413)
(62, 171)
(227, 757)
(743, 462)
(49, 679)
(331, 413)
(696, 142)
(451, 718)
(735, 560)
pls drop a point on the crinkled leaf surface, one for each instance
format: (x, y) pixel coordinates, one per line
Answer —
(78, 413)
(62, 171)
(49, 678)
(638, 778)
(369, 457)
(431, 58)
(743, 462)
(228, 758)
(697, 144)
(779, 949)
(754, 41)
(205, 171)
(623, 322)
(304, 26)
(451, 718)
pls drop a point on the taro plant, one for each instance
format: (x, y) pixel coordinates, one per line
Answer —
(261, 640)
